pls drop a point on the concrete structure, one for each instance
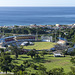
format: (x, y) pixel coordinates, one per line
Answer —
(16, 39)
(46, 38)
(25, 43)
(23, 38)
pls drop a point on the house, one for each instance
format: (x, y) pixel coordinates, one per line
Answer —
(62, 41)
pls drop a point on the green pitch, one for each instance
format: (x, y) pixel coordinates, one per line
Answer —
(40, 45)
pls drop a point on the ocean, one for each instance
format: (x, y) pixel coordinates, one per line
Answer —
(36, 15)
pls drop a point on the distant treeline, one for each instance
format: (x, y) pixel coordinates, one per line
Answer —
(25, 30)
(65, 33)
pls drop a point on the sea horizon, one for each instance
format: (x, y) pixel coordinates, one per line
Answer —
(37, 6)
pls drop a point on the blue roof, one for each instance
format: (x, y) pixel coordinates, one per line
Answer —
(62, 38)
(52, 49)
(3, 39)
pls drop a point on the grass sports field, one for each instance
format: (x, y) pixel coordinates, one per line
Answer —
(48, 61)
(40, 45)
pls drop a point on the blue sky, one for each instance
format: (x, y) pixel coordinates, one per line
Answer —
(37, 2)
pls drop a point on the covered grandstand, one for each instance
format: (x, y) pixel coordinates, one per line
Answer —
(18, 39)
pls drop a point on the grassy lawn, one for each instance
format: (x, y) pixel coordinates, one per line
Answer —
(40, 45)
(48, 61)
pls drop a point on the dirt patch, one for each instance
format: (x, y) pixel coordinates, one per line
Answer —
(47, 61)
(64, 63)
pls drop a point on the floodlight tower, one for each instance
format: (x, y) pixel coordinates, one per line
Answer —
(36, 34)
(55, 34)
(59, 33)
(3, 34)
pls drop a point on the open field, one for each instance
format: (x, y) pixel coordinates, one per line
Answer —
(48, 61)
(40, 45)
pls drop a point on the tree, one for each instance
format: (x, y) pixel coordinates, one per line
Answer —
(41, 67)
(64, 52)
(40, 73)
(15, 69)
(22, 73)
(73, 40)
(5, 63)
(56, 71)
(22, 68)
(73, 60)
(42, 70)
(33, 66)
(32, 53)
(72, 68)
(25, 62)
(72, 72)
(72, 53)
(43, 53)
(15, 50)
(2, 51)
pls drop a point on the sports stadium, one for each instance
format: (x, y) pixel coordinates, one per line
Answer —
(18, 39)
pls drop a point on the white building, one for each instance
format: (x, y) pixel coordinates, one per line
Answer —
(57, 25)
(46, 38)
(25, 43)
(57, 55)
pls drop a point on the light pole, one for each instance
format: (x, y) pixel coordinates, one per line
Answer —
(55, 34)
(36, 34)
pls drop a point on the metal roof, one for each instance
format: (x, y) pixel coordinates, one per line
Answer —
(62, 38)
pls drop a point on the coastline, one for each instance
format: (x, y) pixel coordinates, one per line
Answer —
(32, 24)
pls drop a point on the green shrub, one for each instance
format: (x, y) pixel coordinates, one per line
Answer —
(33, 66)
